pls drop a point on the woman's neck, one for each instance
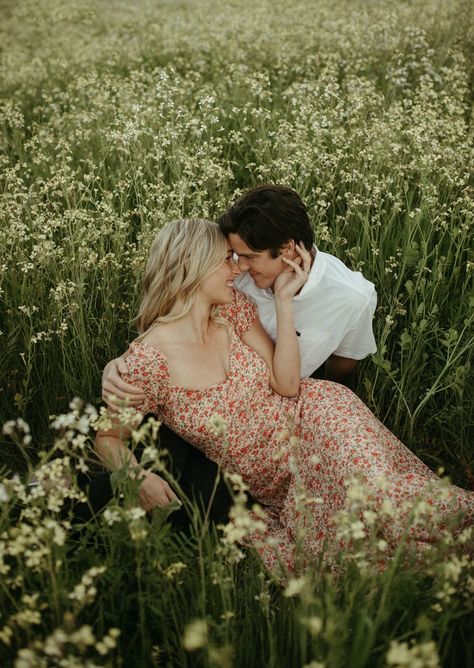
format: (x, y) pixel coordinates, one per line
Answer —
(194, 326)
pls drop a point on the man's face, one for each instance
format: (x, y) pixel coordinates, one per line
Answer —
(262, 267)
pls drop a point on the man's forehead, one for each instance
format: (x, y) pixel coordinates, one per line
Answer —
(240, 247)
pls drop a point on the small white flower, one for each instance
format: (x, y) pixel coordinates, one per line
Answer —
(314, 624)
(295, 586)
(217, 425)
(195, 635)
(111, 516)
(83, 424)
(9, 427)
(76, 404)
(24, 426)
(83, 636)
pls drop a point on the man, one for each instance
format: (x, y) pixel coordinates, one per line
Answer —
(334, 310)
(333, 313)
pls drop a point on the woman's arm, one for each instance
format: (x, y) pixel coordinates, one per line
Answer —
(283, 357)
(110, 446)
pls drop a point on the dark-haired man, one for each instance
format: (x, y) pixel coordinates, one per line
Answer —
(332, 313)
(334, 310)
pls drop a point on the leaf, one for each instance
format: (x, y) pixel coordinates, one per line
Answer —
(405, 340)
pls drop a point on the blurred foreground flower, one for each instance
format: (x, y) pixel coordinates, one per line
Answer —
(295, 587)
(424, 655)
(195, 635)
(217, 425)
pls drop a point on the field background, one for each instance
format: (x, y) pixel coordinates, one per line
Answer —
(119, 116)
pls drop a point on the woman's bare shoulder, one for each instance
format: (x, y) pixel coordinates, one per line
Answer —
(162, 337)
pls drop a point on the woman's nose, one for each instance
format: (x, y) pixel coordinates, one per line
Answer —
(236, 267)
(243, 264)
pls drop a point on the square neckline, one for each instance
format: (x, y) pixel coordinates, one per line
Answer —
(158, 352)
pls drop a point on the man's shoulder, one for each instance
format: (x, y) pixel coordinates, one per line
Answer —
(339, 278)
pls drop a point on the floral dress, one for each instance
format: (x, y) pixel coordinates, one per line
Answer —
(289, 449)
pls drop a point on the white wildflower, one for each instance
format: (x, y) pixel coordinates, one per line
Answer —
(217, 425)
(314, 624)
(195, 635)
(423, 655)
(295, 586)
(4, 496)
(9, 428)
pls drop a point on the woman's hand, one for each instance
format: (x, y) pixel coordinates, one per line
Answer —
(290, 281)
(114, 386)
(154, 491)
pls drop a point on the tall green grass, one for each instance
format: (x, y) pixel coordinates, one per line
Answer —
(118, 117)
(125, 590)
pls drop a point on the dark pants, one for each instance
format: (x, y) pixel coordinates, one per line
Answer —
(320, 374)
(195, 473)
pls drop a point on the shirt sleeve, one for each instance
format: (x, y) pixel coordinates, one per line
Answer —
(359, 341)
(241, 312)
(147, 369)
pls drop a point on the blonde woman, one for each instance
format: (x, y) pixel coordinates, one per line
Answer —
(202, 353)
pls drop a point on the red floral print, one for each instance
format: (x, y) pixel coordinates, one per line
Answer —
(337, 437)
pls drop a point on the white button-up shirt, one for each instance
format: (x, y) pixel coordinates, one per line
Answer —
(332, 313)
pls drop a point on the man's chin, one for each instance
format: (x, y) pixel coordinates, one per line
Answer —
(263, 283)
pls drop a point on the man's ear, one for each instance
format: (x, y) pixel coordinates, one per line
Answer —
(288, 248)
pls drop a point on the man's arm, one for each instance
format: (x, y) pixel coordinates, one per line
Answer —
(114, 385)
(111, 449)
(338, 368)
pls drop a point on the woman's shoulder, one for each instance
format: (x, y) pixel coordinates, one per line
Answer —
(144, 359)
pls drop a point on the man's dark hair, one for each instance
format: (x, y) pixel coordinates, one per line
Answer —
(268, 216)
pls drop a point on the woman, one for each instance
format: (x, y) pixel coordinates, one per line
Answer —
(202, 351)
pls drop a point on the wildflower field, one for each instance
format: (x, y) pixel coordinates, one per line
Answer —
(117, 117)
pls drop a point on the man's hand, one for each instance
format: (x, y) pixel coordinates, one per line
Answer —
(113, 385)
(154, 491)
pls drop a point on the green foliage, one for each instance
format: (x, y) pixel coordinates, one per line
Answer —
(116, 117)
(123, 589)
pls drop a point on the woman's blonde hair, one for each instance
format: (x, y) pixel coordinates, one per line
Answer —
(182, 256)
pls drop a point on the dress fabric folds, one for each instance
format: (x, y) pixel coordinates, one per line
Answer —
(287, 449)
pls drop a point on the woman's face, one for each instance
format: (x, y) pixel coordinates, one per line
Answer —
(217, 288)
